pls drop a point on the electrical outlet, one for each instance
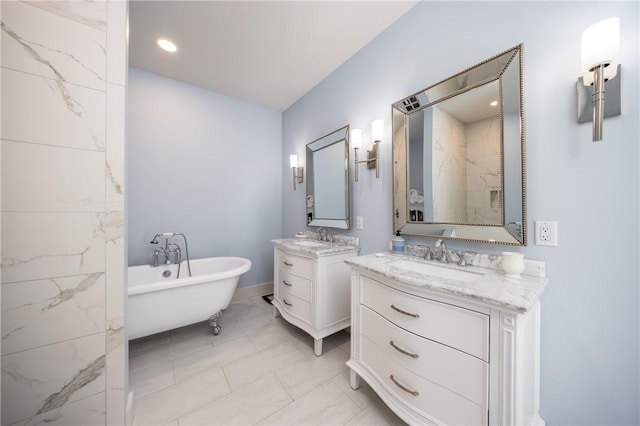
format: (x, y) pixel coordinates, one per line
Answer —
(546, 233)
(359, 222)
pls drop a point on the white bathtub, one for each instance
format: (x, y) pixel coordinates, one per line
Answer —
(156, 303)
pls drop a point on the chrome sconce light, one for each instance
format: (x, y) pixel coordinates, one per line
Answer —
(298, 172)
(600, 47)
(373, 155)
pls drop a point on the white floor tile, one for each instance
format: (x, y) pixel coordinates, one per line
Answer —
(145, 381)
(258, 370)
(200, 362)
(325, 405)
(175, 401)
(246, 406)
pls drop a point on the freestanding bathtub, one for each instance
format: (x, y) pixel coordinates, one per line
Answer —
(160, 301)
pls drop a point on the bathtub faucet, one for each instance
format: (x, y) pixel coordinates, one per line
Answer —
(170, 249)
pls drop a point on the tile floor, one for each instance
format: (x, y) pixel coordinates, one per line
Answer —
(258, 370)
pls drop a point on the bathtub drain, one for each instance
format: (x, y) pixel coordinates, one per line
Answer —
(166, 273)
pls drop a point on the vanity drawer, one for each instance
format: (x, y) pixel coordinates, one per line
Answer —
(294, 285)
(425, 397)
(453, 326)
(295, 306)
(454, 370)
(295, 265)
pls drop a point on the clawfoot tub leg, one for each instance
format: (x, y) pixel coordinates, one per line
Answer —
(213, 322)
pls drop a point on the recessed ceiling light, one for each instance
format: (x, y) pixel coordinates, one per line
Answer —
(167, 45)
(494, 103)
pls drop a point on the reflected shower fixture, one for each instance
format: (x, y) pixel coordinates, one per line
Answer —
(600, 48)
(373, 154)
(298, 172)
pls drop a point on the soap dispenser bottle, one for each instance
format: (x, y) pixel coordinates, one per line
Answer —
(397, 244)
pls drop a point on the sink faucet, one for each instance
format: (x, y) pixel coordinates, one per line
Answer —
(322, 234)
(441, 249)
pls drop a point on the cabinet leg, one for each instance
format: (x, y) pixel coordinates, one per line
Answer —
(317, 347)
(276, 312)
(354, 380)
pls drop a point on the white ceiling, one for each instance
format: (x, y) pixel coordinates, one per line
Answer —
(269, 53)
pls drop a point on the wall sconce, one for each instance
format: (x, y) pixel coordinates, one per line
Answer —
(298, 172)
(373, 155)
(600, 47)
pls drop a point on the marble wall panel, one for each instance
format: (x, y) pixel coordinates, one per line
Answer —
(56, 47)
(63, 243)
(87, 12)
(44, 245)
(85, 412)
(47, 378)
(45, 111)
(117, 46)
(115, 366)
(116, 265)
(41, 312)
(26, 183)
(115, 154)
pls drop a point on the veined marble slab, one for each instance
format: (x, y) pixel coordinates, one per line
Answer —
(49, 112)
(52, 46)
(27, 186)
(325, 249)
(87, 411)
(114, 149)
(491, 285)
(117, 52)
(43, 245)
(32, 386)
(74, 304)
(86, 12)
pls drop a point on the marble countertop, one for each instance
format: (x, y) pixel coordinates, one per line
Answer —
(491, 286)
(322, 249)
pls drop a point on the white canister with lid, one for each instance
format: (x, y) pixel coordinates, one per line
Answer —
(512, 264)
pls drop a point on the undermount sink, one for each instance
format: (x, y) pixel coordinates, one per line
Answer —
(434, 270)
(307, 243)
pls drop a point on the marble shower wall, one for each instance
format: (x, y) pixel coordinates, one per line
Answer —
(484, 181)
(449, 183)
(63, 80)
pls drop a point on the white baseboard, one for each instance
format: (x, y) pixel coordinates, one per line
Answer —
(252, 291)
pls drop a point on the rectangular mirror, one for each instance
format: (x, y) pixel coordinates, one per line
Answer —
(328, 188)
(458, 155)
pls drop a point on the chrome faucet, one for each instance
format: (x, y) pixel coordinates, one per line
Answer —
(322, 234)
(441, 249)
(169, 249)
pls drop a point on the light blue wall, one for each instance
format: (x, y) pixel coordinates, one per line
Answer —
(590, 323)
(206, 165)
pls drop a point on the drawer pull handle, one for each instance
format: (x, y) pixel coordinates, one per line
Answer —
(402, 351)
(286, 283)
(405, 312)
(287, 303)
(287, 263)
(406, 389)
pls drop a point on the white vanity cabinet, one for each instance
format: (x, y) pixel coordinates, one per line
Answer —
(312, 288)
(436, 356)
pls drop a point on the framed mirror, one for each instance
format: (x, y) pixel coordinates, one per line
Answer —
(328, 202)
(459, 156)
